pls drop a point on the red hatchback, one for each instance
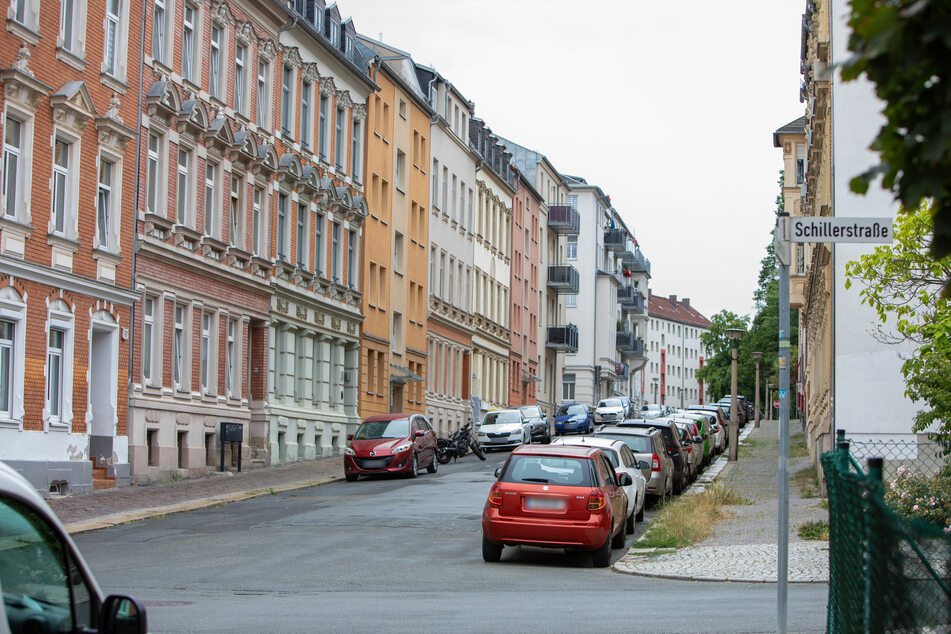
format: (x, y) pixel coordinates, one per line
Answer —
(556, 496)
(392, 443)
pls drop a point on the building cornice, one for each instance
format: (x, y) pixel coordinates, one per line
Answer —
(67, 281)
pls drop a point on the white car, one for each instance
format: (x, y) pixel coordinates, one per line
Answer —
(503, 428)
(610, 410)
(47, 586)
(623, 461)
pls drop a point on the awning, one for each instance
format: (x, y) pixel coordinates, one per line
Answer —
(528, 377)
(403, 375)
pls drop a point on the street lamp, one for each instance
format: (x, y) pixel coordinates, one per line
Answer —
(757, 356)
(735, 334)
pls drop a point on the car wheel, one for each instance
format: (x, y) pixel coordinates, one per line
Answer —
(434, 466)
(351, 477)
(629, 524)
(601, 558)
(639, 516)
(414, 468)
(618, 540)
(679, 484)
(491, 552)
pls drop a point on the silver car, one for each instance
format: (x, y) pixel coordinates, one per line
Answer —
(648, 447)
(610, 410)
(504, 428)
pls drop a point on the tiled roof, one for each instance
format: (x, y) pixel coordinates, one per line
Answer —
(672, 309)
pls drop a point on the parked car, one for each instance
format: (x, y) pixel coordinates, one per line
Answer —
(503, 428)
(541, 428)
(693, 444)
(740, 409)
(652, 410)
(715, 435)
(556, 496)
(609, 410)
(723, 418)
(390, 444)
(623, 461)
(703, 430)
(574, 417)
(672, 442)
(648, 448)
(47, 586)
(628, 406)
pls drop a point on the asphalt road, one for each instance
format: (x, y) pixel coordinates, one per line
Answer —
(400, 555)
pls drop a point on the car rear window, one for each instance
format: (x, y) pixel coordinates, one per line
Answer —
(532, 410)
(571, 410)
(500, 418)
(637, 444)
(549, 470)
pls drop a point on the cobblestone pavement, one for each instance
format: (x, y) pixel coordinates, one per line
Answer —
(743, 547)
(109, 507)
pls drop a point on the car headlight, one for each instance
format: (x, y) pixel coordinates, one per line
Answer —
(348, 451)
(403, 448)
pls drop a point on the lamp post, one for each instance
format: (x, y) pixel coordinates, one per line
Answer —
(734, 334)
(757, 356)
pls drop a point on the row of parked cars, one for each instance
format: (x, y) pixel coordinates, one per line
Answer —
(586, 491)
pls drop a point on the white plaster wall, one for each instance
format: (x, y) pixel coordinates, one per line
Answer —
(52, 446)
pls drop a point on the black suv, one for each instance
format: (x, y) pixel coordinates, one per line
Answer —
(675, 450)
(541, 428)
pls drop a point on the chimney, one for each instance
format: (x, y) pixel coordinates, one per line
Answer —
(686, 302)
(673, 299)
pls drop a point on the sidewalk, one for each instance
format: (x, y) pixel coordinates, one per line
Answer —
(110, 507)
(743, 548)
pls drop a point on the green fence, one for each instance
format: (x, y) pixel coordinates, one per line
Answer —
(886, 573)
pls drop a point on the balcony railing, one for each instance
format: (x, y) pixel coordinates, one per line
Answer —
(625, 340)
(633, 302)
(564, 279)
(564, 220)
(563, 338)
(614, 239)
(622, 371)
(639, 264)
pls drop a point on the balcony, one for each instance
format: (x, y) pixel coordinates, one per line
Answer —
(633, 305)
(564, 279)
(615, 239)
(629, 345)
(564, 220)
(622, 372)
(562, 338)
(639, 264)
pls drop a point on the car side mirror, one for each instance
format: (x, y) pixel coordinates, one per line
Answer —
(122, 614)
(419, 433)
(624, 480)
(349, 436)
(698, 441)
(643, 464)
(498, 472)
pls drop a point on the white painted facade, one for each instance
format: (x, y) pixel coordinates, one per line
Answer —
(677, 366)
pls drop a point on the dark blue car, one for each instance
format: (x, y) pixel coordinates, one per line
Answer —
(574, 418)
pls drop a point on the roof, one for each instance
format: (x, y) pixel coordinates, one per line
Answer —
(793, 127)
(568, 451)
(586, 441)
(672, 309)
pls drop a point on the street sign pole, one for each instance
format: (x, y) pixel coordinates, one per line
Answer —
(783, 257)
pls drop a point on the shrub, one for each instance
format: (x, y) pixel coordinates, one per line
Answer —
(915, 495)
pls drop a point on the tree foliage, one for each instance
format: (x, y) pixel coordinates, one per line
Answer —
(902, 283)
(904, 48)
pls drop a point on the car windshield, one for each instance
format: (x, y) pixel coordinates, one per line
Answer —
(571, 410)
(610, 402)
(548, 470)
(501, 418)
(371, 430)
(637, 444)
(533, 411)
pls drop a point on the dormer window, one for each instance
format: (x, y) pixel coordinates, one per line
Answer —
(334, 33)
(347, 45)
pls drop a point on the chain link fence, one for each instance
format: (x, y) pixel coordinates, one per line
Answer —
(889, 557)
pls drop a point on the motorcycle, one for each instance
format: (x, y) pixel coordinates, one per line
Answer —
(458, 446)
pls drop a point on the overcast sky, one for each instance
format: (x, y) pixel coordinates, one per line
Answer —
(669, 106)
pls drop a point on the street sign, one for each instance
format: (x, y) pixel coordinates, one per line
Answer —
(840, 229)
(776, 404)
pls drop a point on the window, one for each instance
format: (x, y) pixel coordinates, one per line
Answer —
(152, 183)
(148, 338)
(568, 388)
(262, 95)
(334, 34)
(188, 43)
(240, 54)
(306, 95)
(301, 235)
(69, 30)
(400, 170)
(356, 151)
(184, 187)
(211, 202)
(178, 352)
(398, 253)
(287, 91)
(340, 139)
(402, 108)
(435, 192)
(257, 218)
(572, 248)
(62, 202)
(104, 202)
(205, 369)
(571, 301)
(12, 145)
(159, 31)
(322, 122)
(214, 63)
(319, 257)
(282, 227)
(111, 44)
(235, 211)
(335, 252)
(54, 374)
(7, 373)
(230, 365)
(352, 259)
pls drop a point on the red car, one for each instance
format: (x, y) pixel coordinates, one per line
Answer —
(392, 443)
(556, 496)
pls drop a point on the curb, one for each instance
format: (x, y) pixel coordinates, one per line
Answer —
(128, 517)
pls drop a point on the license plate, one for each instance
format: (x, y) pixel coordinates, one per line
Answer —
(373, 464)
(545, 504)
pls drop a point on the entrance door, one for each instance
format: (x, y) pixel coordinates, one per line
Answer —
(103, 386)
(396, 398)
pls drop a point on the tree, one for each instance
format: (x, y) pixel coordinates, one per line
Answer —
(903, 283)
(903, 47)
(716, 368)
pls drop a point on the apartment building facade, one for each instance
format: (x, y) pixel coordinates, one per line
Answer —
(66, 293)
(396, 264)
(674, 352)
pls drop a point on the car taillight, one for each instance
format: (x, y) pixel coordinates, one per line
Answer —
(655, 462)
(495, 496)
(689, 449)
(596, 501)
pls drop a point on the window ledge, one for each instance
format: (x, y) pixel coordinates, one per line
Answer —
(113, 82)
(68, 57)
(23, 32)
